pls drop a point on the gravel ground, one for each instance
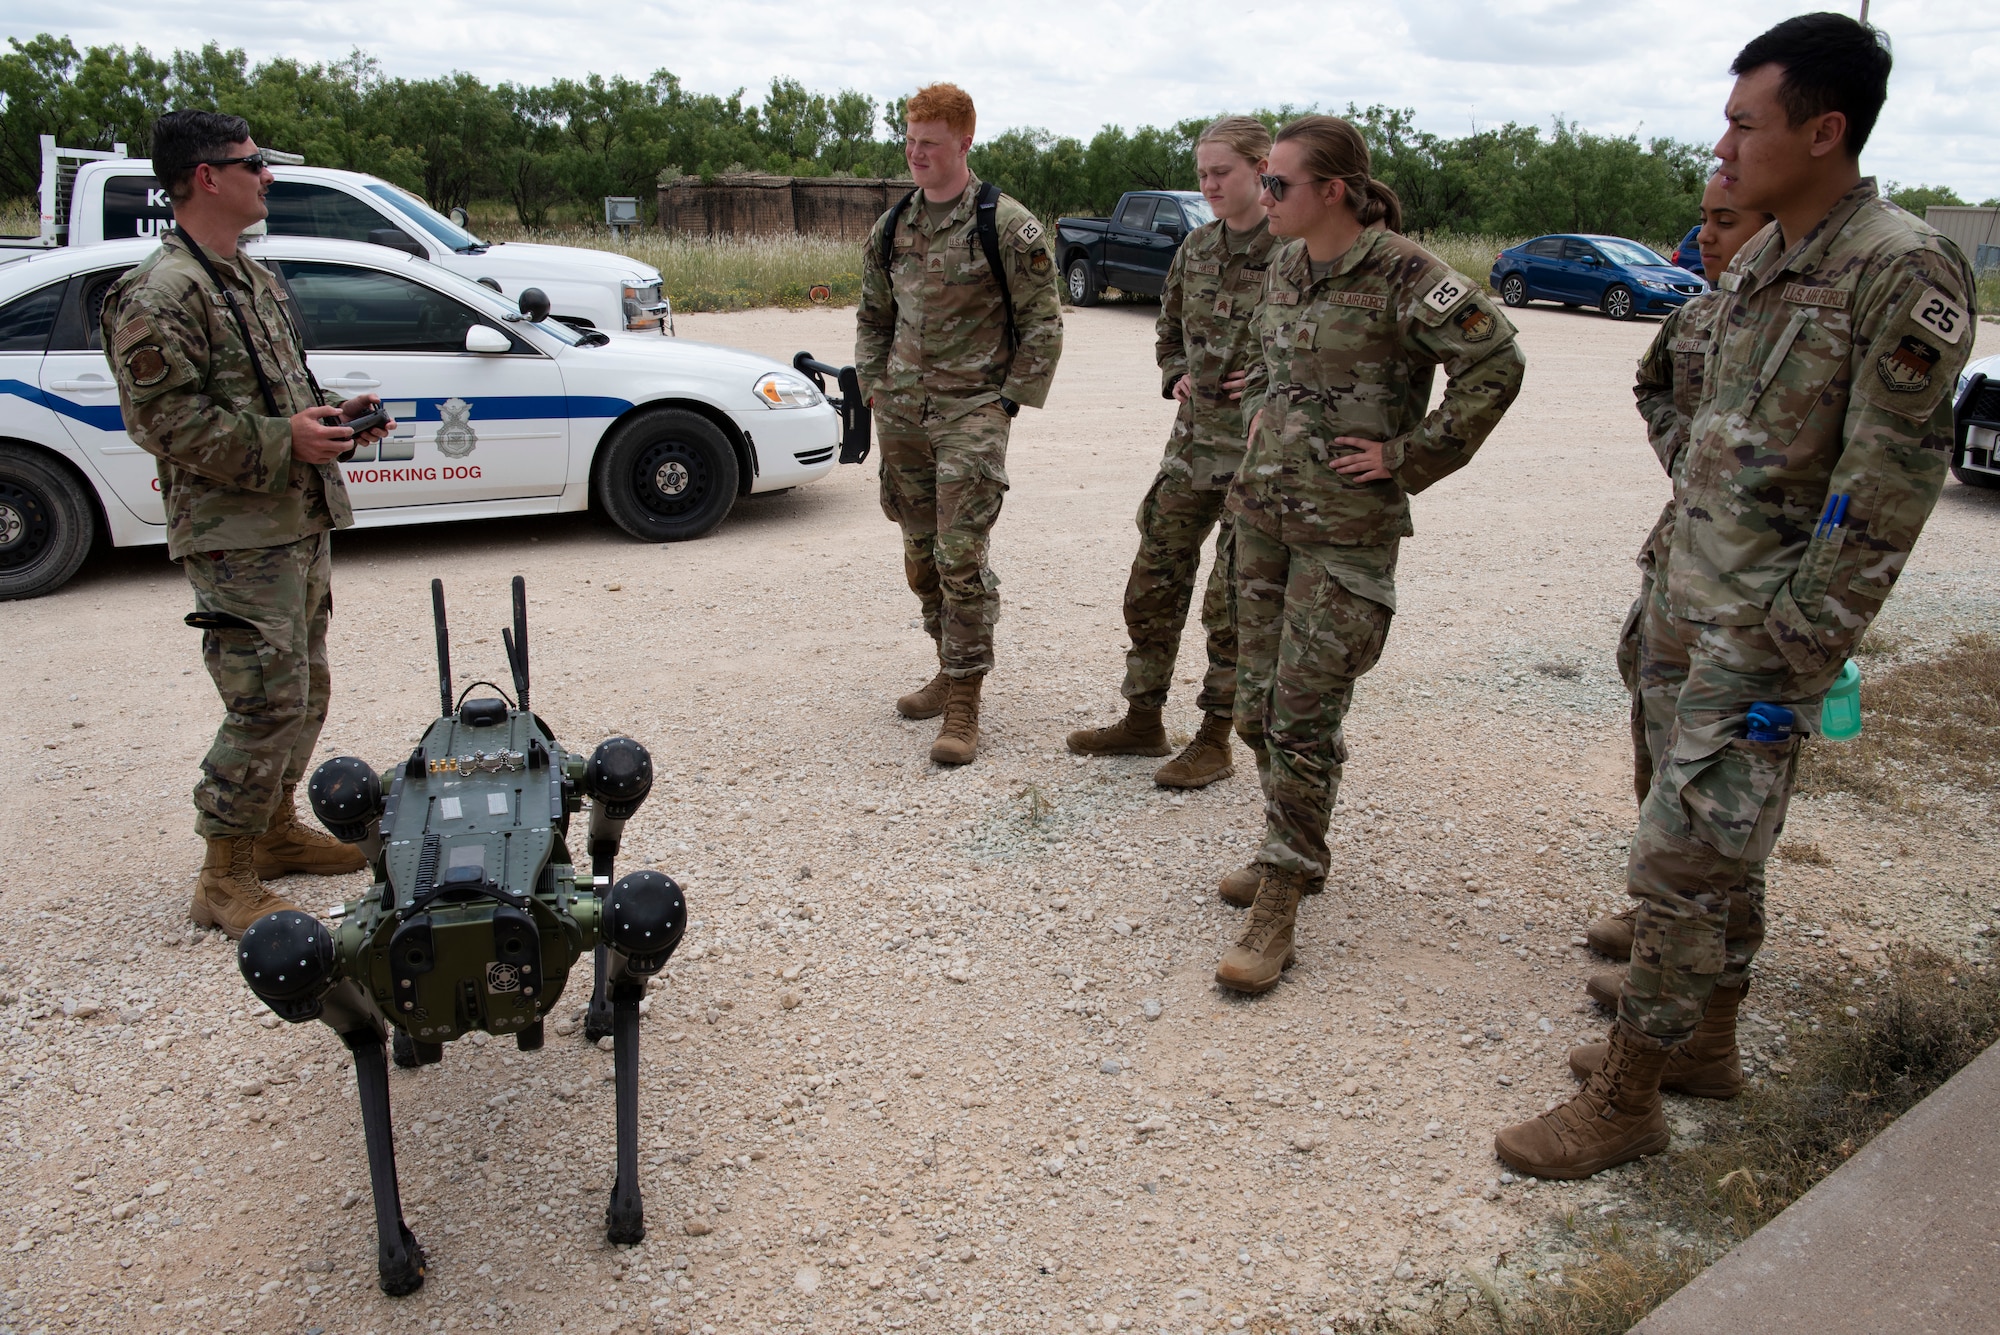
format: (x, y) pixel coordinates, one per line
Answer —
(942, 1051)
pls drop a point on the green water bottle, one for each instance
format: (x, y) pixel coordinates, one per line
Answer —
(1840, 712)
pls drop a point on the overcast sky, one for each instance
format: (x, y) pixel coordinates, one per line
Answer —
(1644, 66)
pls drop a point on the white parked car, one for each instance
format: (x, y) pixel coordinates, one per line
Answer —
(1975, 453)
(90, 197)
(497, 414)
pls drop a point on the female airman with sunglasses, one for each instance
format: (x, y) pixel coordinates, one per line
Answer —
(1355, 321)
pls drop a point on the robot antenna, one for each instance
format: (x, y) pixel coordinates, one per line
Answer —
(444, 648)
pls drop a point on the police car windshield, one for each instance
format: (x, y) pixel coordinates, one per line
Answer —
(424, 216)
(488, 302)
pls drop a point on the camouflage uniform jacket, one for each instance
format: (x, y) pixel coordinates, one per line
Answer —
(1667, 388)
(930, 331)
(1207, 330)
(1354, 354)
(190, 399)
(1830, 373)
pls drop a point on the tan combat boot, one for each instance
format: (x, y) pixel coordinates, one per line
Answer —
(927, 701)
(1707, 1066)
(1137, 734)
(1604, 987)
(290, 845)
(958, 739)
(1204, 760)
(1611, 935)
(1262, 954)
(1239, 887)
(1614, 1119)
(229, 895)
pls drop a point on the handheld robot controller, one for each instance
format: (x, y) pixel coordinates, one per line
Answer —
(477, 915)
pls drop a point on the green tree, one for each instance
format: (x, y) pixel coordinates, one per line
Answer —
(1917, 198)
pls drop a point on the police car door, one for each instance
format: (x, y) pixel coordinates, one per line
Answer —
(472, 427)
(78, 385)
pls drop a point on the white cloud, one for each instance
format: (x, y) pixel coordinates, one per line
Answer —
(1645, 66)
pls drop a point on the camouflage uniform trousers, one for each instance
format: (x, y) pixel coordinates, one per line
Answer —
(1303, 639)
(943, 483)
(1654, 670)
(1713, 813)
(1174, 521)
(273, 680)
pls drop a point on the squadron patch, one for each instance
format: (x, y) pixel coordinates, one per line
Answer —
(147, 365)
(1475, 325)
(1039, 262)
(1907, 370)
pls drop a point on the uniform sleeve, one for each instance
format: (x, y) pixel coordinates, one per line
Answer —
(1031, 283)
(1913, 331)
(1483, 365)
(160, 359)
(1260, 375)
(1666, 429)
(874, 317)
(1169, 334)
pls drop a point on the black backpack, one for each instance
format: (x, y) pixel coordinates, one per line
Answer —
(986, 223)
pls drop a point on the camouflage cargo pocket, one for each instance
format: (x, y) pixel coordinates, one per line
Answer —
(1732, 793)
(237, 661)
(226, 764)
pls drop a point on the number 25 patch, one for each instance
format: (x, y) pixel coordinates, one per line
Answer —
(1447, 293)
(1941, 315)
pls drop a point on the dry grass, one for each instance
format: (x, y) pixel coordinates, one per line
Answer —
(724, 275)
(20, 217)
(1850, 1077)
(1929, 721)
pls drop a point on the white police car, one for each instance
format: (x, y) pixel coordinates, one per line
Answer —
(497, 414)
(1975, 454)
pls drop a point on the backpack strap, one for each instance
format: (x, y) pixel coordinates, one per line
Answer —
(986, 213)
(889, 231)
(229, 299)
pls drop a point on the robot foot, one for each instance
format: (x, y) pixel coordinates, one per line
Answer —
(624, 1221)
(401, 1265)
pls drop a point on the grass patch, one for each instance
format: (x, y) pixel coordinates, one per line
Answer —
(1847, 1078)
(1933, 720)
(724, 275)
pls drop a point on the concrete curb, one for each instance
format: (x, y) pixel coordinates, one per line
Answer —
(1904, 1237)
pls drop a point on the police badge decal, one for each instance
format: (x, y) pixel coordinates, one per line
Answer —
(455, 437)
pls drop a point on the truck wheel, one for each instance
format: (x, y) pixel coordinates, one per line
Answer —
(1082, 279)
(667, 476)
(1514, 290)
(46, 524)
(1975, 477)
(1617, 302)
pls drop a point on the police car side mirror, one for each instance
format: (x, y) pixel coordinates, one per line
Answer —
(395, 238)
(485, 338)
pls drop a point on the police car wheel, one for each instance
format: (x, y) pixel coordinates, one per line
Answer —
(1514, 290)
(1974, 477)
(1617, 302)
(668, 476)
(46, 524)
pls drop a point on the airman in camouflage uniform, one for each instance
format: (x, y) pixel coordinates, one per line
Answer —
(249, 520)
(1827, 374)
(1205, 333)
(1349, 357)
(931, 351)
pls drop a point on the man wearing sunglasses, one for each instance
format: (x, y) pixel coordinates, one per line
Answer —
(213, 382)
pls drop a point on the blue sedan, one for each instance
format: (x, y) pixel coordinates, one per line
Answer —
(1621, 278)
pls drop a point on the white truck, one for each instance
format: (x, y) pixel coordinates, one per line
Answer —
(89, 197)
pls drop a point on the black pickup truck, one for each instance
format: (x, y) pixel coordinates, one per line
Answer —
(1132, 248)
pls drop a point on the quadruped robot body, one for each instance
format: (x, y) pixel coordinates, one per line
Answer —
(478, 912)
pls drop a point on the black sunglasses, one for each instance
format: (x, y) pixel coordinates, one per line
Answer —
(1278, 184)
(254, 161)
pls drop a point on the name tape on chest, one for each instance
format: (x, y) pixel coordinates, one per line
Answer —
(1697, 345)
(1941, 315)
(1367, 301)
(1283, 298)
(1449, 291)
(1809, 294)
(1204, 266)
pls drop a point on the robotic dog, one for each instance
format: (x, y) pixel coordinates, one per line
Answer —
(477, 914)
